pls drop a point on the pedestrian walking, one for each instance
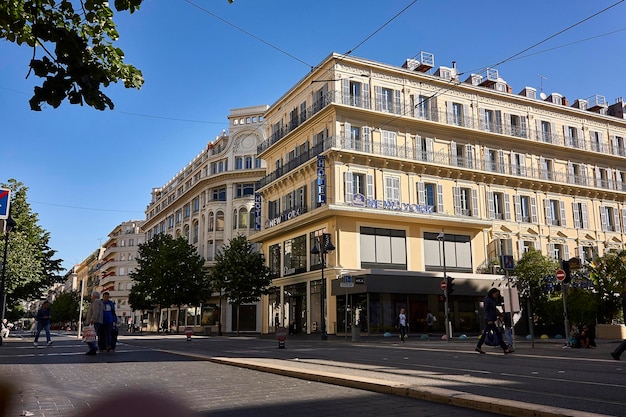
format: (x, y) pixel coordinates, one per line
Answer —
(619, 350)
(491, 316)
(402, 324)
(430, 321)
(4, 333)
(94, 318)
(43, 323)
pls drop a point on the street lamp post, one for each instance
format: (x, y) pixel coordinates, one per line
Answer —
(322, 247)
(9, 224)
(441, 238)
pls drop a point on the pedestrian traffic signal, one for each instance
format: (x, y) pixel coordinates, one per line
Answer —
(442, 297)
(450, 285)
(565, 266)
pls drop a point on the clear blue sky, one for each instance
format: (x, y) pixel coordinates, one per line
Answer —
(87, 170)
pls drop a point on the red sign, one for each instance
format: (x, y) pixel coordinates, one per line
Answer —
(560, 274)
(444, 285)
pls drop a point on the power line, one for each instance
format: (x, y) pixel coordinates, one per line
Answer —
(248, 33)
(170, 118)
(88, 208)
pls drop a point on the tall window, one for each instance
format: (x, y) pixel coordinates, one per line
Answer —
(355, 94)
(545, 131)
(392, 189)
(219, 194)
(387, 100)
(383, 248)
(617, 143)
(457, 248)
(456, 113)
(517, 126)
(389, 145)
(219, 221)
(595, 139)
(462, 155)
(358, 183)
(546, 168)
(555, 212)
(244, 190)
(239, 162)
(465, 201)
(211, 222)
(525, 209)
(274, 260)
(498, 205)
(295, 255)
(609, 218)
(581, 215)
(422, 107)
(430, 194)
(491, 120)
(572, 139)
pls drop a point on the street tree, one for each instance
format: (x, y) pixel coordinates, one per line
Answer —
(608, 274)
(66, 307)
(169, 273)
(240, 273)
(31, 267)
(73, 48)
(531, 271)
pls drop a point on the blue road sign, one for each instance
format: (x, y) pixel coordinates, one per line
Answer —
(5, 200)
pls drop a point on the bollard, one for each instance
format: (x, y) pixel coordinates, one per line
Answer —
(281, 336)
(188, 333)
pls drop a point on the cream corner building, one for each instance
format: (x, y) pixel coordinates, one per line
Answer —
(385, 158)
(210, 201)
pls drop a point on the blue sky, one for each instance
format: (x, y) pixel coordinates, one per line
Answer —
(87, 170)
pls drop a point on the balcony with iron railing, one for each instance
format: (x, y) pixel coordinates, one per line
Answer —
(445, 158)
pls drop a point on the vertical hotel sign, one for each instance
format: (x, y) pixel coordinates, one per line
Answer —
(257, 211)
(321, 180)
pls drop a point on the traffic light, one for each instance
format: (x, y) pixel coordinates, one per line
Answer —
(442, 298)
(568, 273)
(450, 285)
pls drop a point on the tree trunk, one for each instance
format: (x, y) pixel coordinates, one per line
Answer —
(238, 318)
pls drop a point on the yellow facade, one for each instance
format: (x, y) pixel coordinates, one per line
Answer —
(408, 155)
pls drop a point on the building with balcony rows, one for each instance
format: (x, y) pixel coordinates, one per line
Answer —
(412, 169)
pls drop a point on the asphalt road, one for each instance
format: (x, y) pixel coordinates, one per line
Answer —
(585, 380)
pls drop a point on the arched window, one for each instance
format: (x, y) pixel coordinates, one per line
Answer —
(243, 218)
(195, 232)
(239, 162)
(251, 222)
(234, 219)
(211, 221)
(186, 231)
(248, 162)
(219, 221)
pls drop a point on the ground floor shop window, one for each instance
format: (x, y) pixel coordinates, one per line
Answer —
(247, 320)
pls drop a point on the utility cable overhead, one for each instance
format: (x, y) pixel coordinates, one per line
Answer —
(87, 208)
(170, 118)
(453, 83)
(248, 33)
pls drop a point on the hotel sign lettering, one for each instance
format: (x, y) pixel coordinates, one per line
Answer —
(359, 200)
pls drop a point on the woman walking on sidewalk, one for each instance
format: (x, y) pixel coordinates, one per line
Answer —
(491, 316)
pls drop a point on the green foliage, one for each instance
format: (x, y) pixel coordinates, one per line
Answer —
(530, 272)
(31, 267)
(169, 273)
(240, 273)
(608, 274)
(66, 307)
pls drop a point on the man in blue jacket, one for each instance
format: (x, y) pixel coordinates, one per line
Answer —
(491, 316)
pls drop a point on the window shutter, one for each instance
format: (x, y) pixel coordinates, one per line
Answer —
(378, 96)
(483, 120)
(624, 219)
(430, 149)
(571, 178)
(575, 207)
(540, 137)
(449, 114)
(585, 216)
(614, 148)
(396, 102)
(565, 251)
(439, 198)
(542, 168)
(523, 130)
(434, 110)
(421, 193)
(522, 164)
(498, 121)
(490, 207)
(456, 197)
(551, 250)
(345, 87)
(349, 187)
(370, 186)
(418, 148)
(579, 136)
(349, 143)
(474, 203)
(616, 219)
(552, 132)
(466, 119)
(604, 218)
(563, 214)
(507, 207)
(366, 96)
(367, 138)
(520, 248)
(548, 211)
(568, 138)
(609, 177)
(469, 153)
(514, 165)
(453, 155)
(487, 161)
(619, 183)
(518, 207)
